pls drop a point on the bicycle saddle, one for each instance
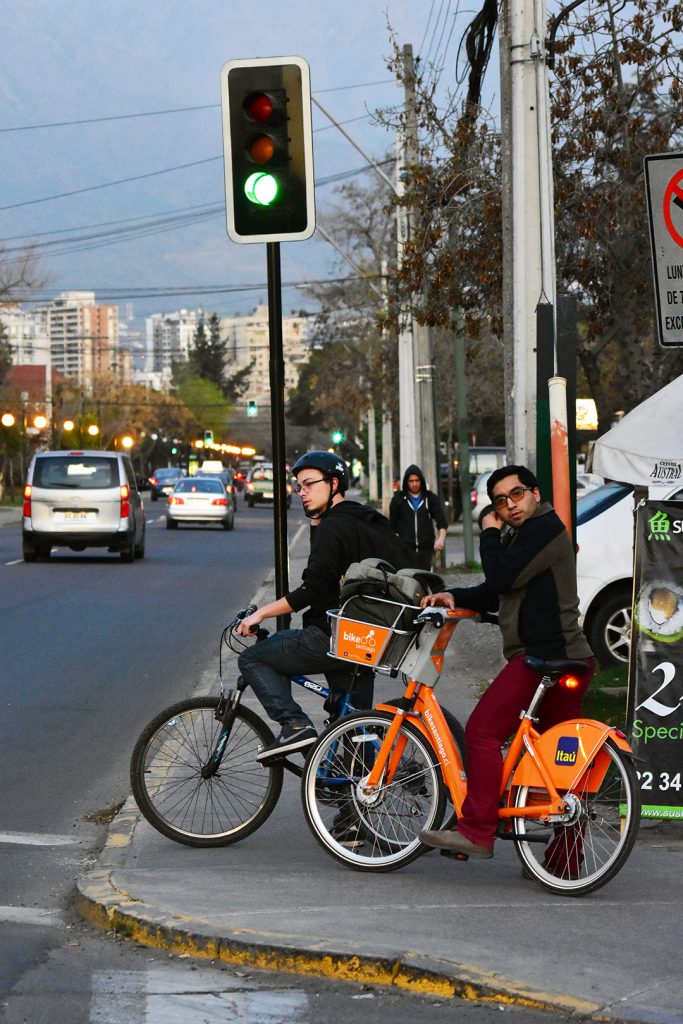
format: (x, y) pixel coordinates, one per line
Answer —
(556, 666)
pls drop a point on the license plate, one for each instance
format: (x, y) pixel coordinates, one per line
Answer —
(267, 494)
(75, 517)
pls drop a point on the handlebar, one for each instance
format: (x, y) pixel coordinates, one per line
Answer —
(438, 616)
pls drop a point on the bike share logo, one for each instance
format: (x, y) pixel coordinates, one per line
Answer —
(366, 644)
(661, 527)
(567, 750)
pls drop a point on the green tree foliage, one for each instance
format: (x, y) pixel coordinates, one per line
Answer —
(5, 353)
(206, 402)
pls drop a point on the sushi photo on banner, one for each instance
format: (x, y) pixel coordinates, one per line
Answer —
(655, 698)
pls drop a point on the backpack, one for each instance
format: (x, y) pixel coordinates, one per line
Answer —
(372, 591)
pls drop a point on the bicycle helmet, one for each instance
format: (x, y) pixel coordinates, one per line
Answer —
(331, 466)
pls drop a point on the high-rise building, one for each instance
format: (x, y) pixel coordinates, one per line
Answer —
(170, 337)
(84, 337)
(247, 340)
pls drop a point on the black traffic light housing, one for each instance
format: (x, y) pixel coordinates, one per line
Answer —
(268, 149)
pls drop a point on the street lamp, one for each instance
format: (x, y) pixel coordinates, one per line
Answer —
(127, 441)
(40, 422)
(8, 419)
(93, 430)
(68, 426)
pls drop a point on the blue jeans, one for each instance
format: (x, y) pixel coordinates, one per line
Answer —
(266, 667)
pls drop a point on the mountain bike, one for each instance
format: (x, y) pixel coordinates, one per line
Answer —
(193, 770)
(569, 798)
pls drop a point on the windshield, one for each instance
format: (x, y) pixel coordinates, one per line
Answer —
(167, 474)
(592, 504)
(194, 486)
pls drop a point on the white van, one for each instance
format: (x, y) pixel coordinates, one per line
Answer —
(79, 500)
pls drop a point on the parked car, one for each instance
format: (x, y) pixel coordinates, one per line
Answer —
(199, 499)
(480, 497)
(604, 566)
(259, 485)
(483, 458)
(163, 480)
(80, 500)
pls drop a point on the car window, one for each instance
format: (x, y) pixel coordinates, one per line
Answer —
(195, 485)
(167, 474)
(82, 472)
(592, 504)
(130, 474)
(262, 474)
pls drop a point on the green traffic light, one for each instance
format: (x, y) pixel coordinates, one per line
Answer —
(261, 188)
(337, 437)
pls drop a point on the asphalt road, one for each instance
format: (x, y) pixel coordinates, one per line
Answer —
(91, 648)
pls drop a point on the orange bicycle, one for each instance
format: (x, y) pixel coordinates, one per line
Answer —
(569, 798)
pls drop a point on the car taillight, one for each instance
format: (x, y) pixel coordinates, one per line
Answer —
(172, 500)
(153, 480)
(474, 498)
(250, 486)
(27, 501)
(219, 501)
(125, 501)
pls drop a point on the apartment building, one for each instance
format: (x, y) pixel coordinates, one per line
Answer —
(169, 339)
(248, 340)
(27, 335)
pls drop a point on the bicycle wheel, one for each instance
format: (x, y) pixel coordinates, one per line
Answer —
(377, 831)
(586, 852)
(166, 779)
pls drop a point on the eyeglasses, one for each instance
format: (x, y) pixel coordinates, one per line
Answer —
(515, 496)
(307, 484)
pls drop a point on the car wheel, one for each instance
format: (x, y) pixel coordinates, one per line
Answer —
(250, 502)
(229, 523)
(171, 524)
(127, 552)
(44, 549)
(140, 548)
(610, 630)
(154, 497)
(29, 552)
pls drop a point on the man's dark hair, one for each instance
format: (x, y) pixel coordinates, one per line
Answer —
(524, 474)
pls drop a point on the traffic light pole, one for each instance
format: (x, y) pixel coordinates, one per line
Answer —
(277, 405)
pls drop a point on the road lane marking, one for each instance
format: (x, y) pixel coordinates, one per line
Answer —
(30, 915)
(37, 839)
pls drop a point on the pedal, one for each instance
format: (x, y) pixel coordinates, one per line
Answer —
(453, 855)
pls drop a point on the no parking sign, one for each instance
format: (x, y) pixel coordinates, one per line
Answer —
(664, 188)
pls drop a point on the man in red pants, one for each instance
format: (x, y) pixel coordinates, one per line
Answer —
(530, 579)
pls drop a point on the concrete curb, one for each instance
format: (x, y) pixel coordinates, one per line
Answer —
(106, 906)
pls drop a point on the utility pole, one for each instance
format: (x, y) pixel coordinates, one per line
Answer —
(373, 490)
(528, 228)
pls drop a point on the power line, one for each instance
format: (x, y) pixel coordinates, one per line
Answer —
(159, 113)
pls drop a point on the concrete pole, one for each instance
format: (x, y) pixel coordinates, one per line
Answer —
(407, 154)
(373, 491)
(424, 380)
(528, 250)
(387, 461)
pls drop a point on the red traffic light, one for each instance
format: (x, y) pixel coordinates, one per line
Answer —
(259, 106)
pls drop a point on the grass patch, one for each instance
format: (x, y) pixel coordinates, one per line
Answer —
(605, 700)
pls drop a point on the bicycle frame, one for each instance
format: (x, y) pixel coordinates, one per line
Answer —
(531, 759)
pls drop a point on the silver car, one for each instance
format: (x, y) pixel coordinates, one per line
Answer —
(79, 500)
(200, 500)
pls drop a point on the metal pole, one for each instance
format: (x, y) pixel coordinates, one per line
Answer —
(463, 441)
(277, 405)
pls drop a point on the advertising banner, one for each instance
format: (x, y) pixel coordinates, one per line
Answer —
(655, 711)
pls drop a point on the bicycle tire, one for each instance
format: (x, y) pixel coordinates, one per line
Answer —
(582, 856)
(385, 825)
(165, 775)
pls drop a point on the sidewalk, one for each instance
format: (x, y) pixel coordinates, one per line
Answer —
(476, 930)
(9, 514)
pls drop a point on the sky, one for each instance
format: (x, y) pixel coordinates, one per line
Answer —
(82, 60)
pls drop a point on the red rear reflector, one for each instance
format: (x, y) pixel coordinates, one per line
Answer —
(570, 682)
(219, 501)
(27, 501)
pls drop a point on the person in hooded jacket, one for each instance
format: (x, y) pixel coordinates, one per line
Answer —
(345, 532)
(414, 512)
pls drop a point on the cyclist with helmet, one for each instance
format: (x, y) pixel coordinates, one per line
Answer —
(345, 532)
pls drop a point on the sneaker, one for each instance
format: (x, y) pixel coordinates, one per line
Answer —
(455, 842)
(347, 831)
(293, 736)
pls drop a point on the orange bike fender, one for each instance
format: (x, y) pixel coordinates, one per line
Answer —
(568, 749)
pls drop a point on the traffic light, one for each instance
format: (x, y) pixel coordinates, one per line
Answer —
(336, 437)
(252, 408)
(208, 437)
(268, 149)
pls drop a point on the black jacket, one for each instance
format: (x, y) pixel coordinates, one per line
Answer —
(347, 533)
(531, 582)
(416, 526)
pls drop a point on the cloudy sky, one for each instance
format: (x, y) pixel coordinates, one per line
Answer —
(103, 62)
